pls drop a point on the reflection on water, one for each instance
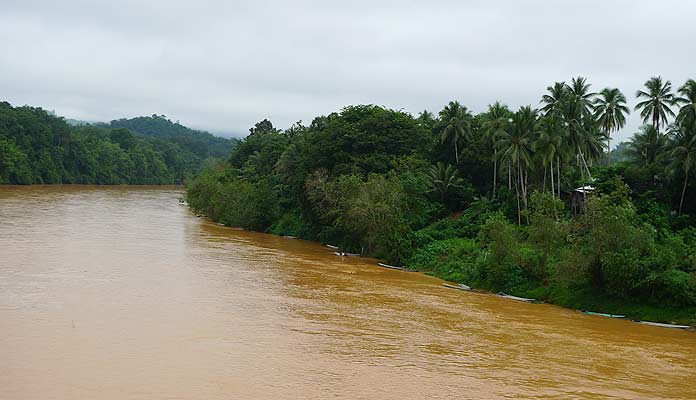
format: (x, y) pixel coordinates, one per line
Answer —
(120, 293)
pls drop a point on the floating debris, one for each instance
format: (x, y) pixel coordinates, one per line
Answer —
(603, 314)
(460, 286)
(664, 325)
(394, 267)
(517, 298)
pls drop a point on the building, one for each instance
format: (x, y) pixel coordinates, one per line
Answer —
(578, 198)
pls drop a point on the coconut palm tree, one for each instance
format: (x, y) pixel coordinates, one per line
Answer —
(687, 100)
(658, 100)
(549, 145)
(444, 178)
(496, 124)
(455, 120)
(578, 126)
(580, 89)
(647, 145)
(426, 119)
(610, 112)
(683, 153)
(516, 150)
(554, 97)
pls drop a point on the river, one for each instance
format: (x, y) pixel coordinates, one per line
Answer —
(122, 293)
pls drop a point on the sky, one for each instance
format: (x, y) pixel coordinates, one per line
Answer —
(224, 65)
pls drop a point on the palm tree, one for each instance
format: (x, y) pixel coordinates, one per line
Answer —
(549, 145)
(658, 100)
(554, 97)
(496, 123)
(443, 179)
(515, 149)
(578, 126)
(580, 89)
(456, 125)
(610, 112)
(426, 119)
(647, 145)
(687, 101)
(683, 153)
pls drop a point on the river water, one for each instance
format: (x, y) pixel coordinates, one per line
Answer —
(121, 293)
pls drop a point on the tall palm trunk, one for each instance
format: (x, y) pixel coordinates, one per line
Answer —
(553, 188)
(686, 182)
(558, 181)
(522, 179)
(495, 169)
(517, 196)
(456, 152)
(543, 185)
(582, 157)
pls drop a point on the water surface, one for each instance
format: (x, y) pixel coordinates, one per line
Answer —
(121, 293)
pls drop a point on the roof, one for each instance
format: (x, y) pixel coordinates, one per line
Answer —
(584, 189)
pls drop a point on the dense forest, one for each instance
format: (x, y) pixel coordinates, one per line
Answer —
(486, 199)
(38, 147)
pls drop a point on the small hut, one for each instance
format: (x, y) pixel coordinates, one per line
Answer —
(578, 198)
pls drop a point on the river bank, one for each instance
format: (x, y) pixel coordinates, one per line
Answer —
(579, 300)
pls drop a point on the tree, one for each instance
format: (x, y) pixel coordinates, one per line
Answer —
(426, 119)
(264, 126)
(516, 150)
(683, 153)
(549, 145)
(580, 89)
(610, 112)
(687, 111)
(647, 145)
(456, 125)
(496, 123)
(553, 99)
(444, 178)
(658, 100)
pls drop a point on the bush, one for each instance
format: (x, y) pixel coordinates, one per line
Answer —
(452, 259)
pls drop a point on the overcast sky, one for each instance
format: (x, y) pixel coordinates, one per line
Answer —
(224, 65)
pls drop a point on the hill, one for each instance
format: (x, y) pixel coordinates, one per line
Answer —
(37, 147)
(203, 144)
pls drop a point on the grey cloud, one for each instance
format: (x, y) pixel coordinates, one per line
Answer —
(222, 65)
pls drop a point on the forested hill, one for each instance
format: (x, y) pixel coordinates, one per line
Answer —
(201, 143)
(37, 147)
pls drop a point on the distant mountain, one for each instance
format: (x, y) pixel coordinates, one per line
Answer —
(201, 143)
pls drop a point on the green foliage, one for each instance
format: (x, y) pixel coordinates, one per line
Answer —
(455, 259)
(420, 192)
(36, 147)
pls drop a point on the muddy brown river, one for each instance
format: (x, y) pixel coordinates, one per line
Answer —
(121, 293)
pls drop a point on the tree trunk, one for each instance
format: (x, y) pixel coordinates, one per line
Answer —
(517, 192)
(456, 152)
(522, 186)
(582, 157)
(553, 188)
(495, 169)
(686, 182)
(558, 181)
(543, 185)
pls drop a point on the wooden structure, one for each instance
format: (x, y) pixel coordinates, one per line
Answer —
(578, 198)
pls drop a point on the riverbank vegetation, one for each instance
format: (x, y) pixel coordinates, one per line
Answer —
(485, 199)
(37, 147)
